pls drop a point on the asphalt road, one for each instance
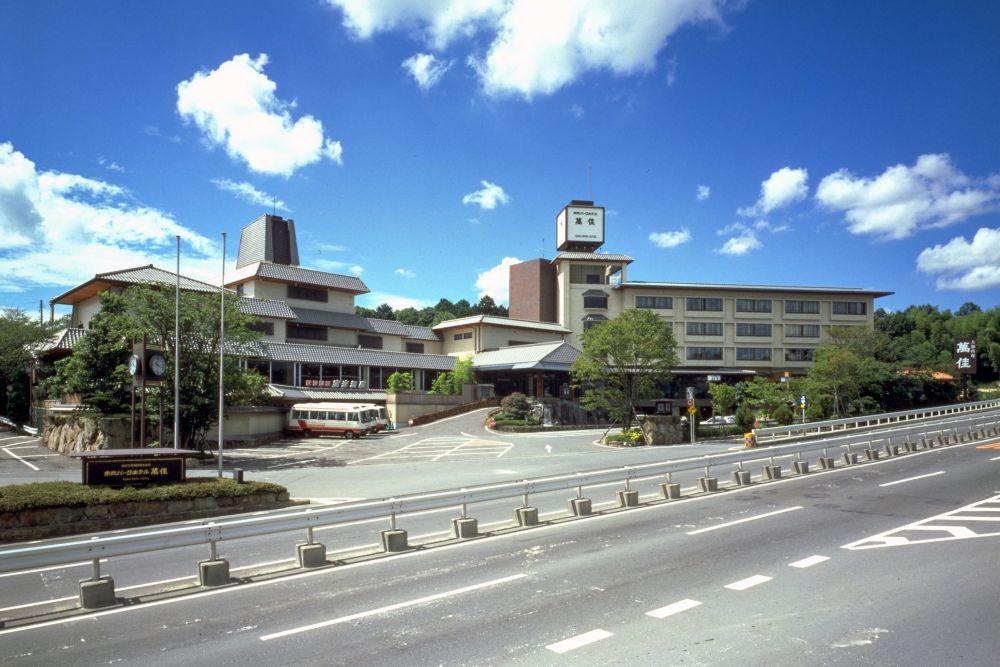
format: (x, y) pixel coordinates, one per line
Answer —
(892, 562)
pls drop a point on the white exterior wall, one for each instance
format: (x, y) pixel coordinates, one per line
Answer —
(84, 311)
(338, 301)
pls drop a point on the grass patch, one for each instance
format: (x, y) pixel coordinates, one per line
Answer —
(40, 495)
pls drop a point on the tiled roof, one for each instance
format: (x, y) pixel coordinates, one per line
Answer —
(328, 354)
(346, 395)
(500, 322)
(296, 274)
(328, 318)
(266, 308)
(595, 256)
(64, 339)
(394, 328)
(556, 355)
(151, 274)
(847, 291)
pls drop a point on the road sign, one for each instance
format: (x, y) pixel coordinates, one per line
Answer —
(692, 409)
(690, 403)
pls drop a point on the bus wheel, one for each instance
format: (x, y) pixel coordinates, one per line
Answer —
(351, 435)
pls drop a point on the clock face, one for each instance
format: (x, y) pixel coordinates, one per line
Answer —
(133, 364)
(157, 364)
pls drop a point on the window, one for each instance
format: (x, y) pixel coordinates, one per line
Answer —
(463, 335)
(805, 307)
(849, 308)
(513, 343)
(704, 303)
(753, 305)
(370, 342)
(417, 348)
(307, 293)
(266, 328)
(593, 320)
(704, 328)
(798, 354)
(704, 354)
(305, 332)
(753, 329)
(753, 354)
(595, 299)
(655, 302)
(802, 331)
(583, 274)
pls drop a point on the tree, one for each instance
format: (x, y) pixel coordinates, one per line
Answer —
(399, 381)
(385, 312)
(20, 336)
(725, 397)
(624, 360)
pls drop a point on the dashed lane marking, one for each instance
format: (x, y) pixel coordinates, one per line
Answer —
(675, 608)
(739, 521)
(576, 642)
(809, 562)
(749, 582)
(911, 479)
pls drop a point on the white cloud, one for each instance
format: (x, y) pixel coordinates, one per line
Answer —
(496, 281)
(336, 266)
(405, 273)
(670, 239)
(577, 111)
(235, 107)
(672, 71)
(537, 47)
(488, 198)
(783, 187)
(704, 192)
(110, 165)
(426, 69)
(741, 245)
(375, 299)
(965, 265)
(249, 193)
(61, 229)
(903, 200)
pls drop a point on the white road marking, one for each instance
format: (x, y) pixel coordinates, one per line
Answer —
(27, 446)
(675, 608)
(30, 465)
(739, 521)
(996, 458)
(567, 645)
(809, 562)
(892, 538)
(749, 582)
(13, 437)
(910, 479)
(392, 607)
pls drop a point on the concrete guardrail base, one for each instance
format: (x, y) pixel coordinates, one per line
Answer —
(213, 572)
(628, 498)
(801, 467)
(580, 506)
(708, 484)
(96, 593)
(463, 529)
(526, 516)
(741, 477)
(871, 455)
(670, 491)
(826, 462)
(394, 541)
(310, 555)
(772, 472)
(892, 450)
(850, 458)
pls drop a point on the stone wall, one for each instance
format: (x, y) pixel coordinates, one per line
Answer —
(663, 430)
(67, 432)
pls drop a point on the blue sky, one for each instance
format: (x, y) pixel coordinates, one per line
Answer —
(424, 145)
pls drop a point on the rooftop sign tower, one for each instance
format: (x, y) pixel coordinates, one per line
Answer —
(580, 227)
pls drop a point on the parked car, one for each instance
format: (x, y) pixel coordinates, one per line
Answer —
(719, 420)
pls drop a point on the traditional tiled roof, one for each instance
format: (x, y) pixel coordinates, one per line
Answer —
(298, 275)
(394, 328)
(139, 275)
(329, 354)
(329, 318)
(63, 340)
(594, 256)
(556, 355)
(844, 291)
(500, 322)
(266, 308)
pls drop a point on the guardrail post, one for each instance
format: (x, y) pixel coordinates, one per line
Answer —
(393, 540)
(741, 477)
(826, 461)
(580, 506)
(628, 497)
(801, 467)
(708, 483)
(525, 515)
(312, 553)
(870, 453)
(850, 458)
(215, 570)
(97, 591)
(465, 527)
(891, 449)
(670, 490)
(908, 445)
(772, 471)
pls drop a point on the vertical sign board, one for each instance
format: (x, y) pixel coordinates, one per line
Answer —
(583, 225)
(965, 355)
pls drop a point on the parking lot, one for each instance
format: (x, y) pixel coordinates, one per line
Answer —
(24, 459)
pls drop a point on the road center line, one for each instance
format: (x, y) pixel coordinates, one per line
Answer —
(809, 562)
(30, 465)
(910, 479)
(675, 608)
(749, 582)
(739, 521)
(392, 607)
(996, 458)
(567, 645)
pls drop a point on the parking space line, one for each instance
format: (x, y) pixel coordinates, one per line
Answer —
(30, 465)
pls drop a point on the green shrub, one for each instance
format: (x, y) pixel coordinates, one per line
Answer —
(516, 406)
(39, 495)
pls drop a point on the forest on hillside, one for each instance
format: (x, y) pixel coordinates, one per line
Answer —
(443, 310)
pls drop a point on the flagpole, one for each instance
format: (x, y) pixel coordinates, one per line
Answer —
(177, 351)
(222, 351)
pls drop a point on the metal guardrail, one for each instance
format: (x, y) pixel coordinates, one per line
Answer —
(773, 433)
(107, 545)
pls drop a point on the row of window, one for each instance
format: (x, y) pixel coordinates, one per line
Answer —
(307, 332)
(747, 354)
(752, 329)
(714, 304)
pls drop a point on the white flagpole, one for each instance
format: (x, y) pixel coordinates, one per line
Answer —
(177, 352)
(222, 350)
